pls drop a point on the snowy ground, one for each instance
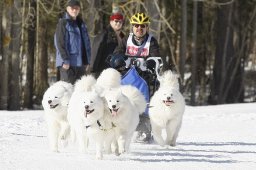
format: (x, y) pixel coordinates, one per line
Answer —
(211, 137)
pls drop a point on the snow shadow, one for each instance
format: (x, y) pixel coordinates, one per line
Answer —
(211, 152)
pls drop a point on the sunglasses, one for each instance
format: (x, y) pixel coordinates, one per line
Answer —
(139, 25)
(120, 21)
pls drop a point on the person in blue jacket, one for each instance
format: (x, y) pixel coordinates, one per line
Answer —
(72, 42)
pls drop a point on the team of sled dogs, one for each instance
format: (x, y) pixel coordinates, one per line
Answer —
(104, 112)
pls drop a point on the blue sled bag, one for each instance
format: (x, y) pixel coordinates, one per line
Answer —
(133, 78)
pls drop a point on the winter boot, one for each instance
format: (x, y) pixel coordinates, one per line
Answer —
(144, 130)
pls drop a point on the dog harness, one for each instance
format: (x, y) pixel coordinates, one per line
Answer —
(101, 127)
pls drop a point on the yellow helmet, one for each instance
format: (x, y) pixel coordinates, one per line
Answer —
(139, 18)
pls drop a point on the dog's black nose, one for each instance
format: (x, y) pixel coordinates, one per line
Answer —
(49, 101)
(86, 107)
(168, 98)
(113, 106)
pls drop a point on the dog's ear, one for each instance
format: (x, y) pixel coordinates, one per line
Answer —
(160, 79)
(93, 89)
(101, 92)
(68, 88)
(96, 90)
(120, 91)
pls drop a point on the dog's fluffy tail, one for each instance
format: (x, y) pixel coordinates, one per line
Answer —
(109, 78)
(135, 96)
(85, 84)
(169, 79)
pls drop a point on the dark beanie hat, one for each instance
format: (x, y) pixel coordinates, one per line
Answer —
(73, 3)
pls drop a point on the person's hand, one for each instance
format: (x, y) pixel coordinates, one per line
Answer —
(66, 66)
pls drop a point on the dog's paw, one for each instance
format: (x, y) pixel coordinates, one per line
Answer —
(62, 137)
(99, 156)
(55, 150)
(121, 150)
(171, 143)
(63, 143)
(116, 152)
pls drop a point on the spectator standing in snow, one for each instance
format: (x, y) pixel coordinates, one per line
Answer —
(105, 43)
(73, 50)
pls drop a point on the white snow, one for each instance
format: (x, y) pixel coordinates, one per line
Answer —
(211, 137)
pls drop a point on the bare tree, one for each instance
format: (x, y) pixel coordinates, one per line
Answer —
(183, 39)
(153, 12)
(41, 62)
(31, 26)
(227, 67)
(4, 58)
(14, 80)
(203, 41)
(96, 16)
(194, 54)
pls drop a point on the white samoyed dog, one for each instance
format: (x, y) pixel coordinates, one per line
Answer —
(86, 117)
(166, 109)
(55, 103)
(125, 105)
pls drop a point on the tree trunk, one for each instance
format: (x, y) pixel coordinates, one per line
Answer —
(227, 72)
(183, 40)
(5, 11)
(194, 55)
(154, 17)
(14, 81)
(202, 41)
(28, 91)
(96, 18)
(235, 85)
(224, 50)
(41, 83)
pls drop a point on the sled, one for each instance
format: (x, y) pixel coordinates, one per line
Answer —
(141, 73)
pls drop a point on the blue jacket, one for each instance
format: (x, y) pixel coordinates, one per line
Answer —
(70, 47)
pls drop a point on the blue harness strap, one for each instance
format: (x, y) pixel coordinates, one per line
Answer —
(133, 78)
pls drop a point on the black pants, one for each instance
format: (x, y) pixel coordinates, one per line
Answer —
(72, 74)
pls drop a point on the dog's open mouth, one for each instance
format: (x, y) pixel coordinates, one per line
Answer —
(87, 112)
(53, 106)
(114, 111)
(168, 102)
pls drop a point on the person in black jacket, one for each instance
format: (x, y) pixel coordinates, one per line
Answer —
(140, 44)
(105, 43)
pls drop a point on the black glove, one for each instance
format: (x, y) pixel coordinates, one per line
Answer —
(116, 61)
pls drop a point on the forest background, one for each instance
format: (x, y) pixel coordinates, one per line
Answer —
(209, 43)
